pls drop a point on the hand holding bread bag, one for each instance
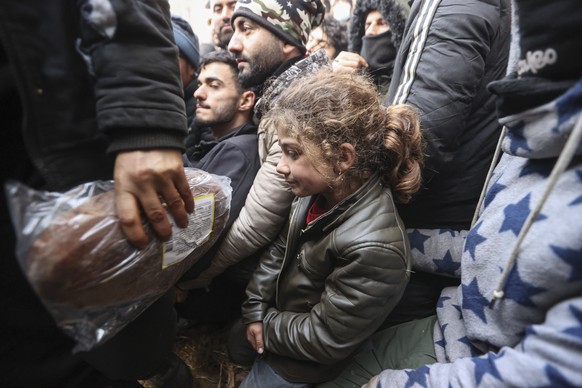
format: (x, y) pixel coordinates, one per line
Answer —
(94, 282)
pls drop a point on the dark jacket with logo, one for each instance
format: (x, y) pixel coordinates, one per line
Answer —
(322, 289)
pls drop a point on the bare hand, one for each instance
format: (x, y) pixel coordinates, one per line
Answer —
(143, 179)
(255, 336)
(348, 63)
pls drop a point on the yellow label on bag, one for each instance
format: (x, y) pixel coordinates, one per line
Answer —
(184, 241)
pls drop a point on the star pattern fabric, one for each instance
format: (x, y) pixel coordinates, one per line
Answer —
(516, 214)
(417, 377)
(532, 334)
(446, 265)
(519, 290)
(417, 239)
(571, 257)
(492, 193)
(485, 366)
(539, 167)
(474, 239)
(518, 140)
(473, 300)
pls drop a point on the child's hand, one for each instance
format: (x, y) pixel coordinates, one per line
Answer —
(255, 336)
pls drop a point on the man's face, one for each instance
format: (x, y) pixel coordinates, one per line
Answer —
(217, 96)
(375, 24)
(220, 22)
(258, 52)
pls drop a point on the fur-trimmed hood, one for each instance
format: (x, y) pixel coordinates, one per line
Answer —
(393, 11)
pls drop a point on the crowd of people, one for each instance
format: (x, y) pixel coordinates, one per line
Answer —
(406, 175)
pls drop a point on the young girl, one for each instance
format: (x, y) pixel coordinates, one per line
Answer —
(342, 262)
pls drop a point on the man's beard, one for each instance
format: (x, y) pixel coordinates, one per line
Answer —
(223, 38)
(223, 115)
(261, 68)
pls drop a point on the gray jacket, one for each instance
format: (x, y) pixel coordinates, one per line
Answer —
(269, 200)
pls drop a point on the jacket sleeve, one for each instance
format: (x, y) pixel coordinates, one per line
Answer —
(261, 291)
(438, 251)
(548, 355)
(443, 81)
(356, 300)
(260, 220)
(129, 49)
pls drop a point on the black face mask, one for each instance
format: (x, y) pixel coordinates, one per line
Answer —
(379, 52)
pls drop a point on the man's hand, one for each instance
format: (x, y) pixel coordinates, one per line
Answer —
(143, 180)
(255, 336)
(348, 63)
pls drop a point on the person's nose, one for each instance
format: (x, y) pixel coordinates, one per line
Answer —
(226, 13)
(282, 166)
(235, 46)
(371, 30)
(199, 94)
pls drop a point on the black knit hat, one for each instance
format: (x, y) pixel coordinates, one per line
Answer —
(290, 20)
(395, 12)
(550, 38)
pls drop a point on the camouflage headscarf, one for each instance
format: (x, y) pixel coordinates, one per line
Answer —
(289, 20)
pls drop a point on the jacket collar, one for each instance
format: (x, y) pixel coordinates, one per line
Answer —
(205, 146)
(340, 211)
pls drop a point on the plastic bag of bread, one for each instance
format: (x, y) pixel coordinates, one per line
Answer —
(92, 280)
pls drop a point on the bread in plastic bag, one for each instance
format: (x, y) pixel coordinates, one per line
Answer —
(91, 279)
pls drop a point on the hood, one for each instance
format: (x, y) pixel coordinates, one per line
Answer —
(553, 130)
(394, 11)
(542, 132)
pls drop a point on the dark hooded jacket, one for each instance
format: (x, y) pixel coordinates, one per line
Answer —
(380, 59)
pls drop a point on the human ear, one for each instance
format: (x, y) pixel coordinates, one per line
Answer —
(247, 101)
(290, 51)
(347, 156)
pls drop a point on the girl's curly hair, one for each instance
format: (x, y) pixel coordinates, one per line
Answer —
(327, 109)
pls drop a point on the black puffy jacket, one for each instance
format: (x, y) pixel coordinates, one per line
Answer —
(443, 70)
(85, 77)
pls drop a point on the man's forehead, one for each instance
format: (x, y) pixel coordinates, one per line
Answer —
(243, 19)
(222, 2)
(217, 71)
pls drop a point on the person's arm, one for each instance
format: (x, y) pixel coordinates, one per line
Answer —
(442, 78)
(231, 160)
(548, 355)
(437, 251)
(356, 300)
(259, 221)
(129, 50)
(261, 290)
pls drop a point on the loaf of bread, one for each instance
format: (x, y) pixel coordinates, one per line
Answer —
(83, 261)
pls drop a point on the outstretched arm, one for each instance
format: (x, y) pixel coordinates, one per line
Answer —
(130, 53)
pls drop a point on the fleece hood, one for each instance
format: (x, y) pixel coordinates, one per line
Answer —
(395, 12)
